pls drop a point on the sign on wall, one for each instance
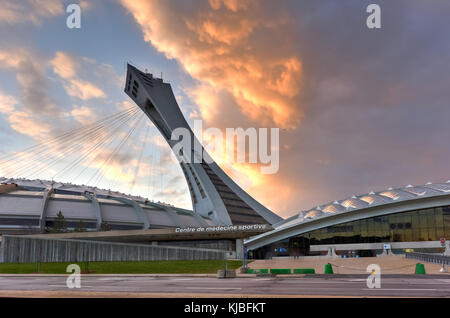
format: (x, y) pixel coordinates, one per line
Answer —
(222, 229)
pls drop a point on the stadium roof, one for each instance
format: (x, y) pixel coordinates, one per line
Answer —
(41, 200)
(355, 205)
(383, 197)
(41, 185)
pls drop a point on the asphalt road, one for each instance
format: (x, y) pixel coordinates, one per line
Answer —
(404, 286)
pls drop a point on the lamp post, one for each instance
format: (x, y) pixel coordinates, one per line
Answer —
(443, 269)
(244, 257)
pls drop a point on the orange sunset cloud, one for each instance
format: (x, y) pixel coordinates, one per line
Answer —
(217, 43)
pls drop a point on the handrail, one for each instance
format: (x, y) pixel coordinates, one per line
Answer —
(429, 258)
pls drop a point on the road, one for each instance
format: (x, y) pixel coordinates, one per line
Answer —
(403, 286)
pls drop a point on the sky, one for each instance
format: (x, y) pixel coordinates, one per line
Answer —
(358, 109)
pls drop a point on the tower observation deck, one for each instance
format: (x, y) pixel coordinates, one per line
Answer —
(213, 192)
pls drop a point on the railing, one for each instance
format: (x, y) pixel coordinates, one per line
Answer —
(429, 258)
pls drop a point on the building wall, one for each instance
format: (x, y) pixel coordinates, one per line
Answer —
(20, 211)
(19, 249)
(20, 205)
(82, 209)
(412, 228)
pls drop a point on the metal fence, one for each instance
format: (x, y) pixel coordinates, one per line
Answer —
(21, 249)
(429, 258)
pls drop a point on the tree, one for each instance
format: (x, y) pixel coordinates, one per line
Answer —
(59, 224)
(105, 226)
(81, 227)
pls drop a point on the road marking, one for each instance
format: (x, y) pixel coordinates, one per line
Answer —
(404, 289)
(178, 279)
(65, 286)
(118, 278)
(213, 288)
(311, 281)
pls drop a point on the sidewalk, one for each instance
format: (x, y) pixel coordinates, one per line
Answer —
(388, 265)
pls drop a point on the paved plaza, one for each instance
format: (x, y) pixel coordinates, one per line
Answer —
(388, 264)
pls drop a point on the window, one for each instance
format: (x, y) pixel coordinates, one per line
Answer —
(418, 225)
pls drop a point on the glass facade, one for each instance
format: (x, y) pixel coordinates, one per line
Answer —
(412, 226)
(19, 221)
(73, 224)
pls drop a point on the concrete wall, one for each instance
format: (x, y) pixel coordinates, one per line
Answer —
(20, 249)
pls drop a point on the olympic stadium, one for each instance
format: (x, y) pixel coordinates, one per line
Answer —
(408, 218)
(29, 206)
(396, 220)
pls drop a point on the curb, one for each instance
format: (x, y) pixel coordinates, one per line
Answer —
(328, 276)
(110, 275)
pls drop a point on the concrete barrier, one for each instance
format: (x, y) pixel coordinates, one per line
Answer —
(303, 271)
(280, 271)
(21, 249)
(226, 273)
(257, 271)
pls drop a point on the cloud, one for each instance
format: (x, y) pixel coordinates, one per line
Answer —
(357, 104)
(29, 71)
(170, 194)
(64, 65)
(7, 103)
(30, 114)
(220, 44)
(85, 5)
(20, 121)
(21, 12)
(83, 89)
(364, 110)
(27, 125)
(9, 59)
(124, 105)
(263, 186)
(67, 68)
(375, 103)
(36, 107)
(83, 115)
(109, 74)
(242, 79)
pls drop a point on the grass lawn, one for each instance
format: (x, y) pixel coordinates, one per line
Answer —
(146, 267)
